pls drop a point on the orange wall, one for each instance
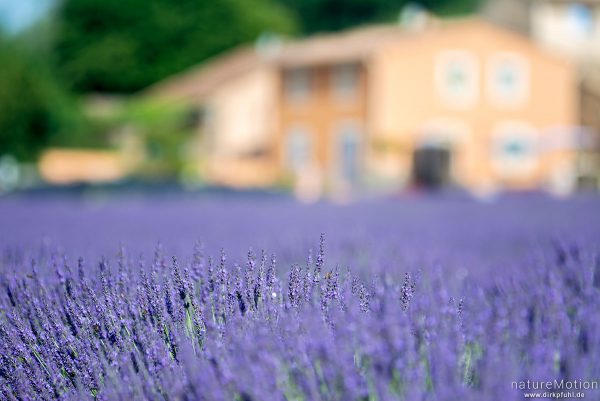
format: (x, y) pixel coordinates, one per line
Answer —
(320, 113)
(404, 100)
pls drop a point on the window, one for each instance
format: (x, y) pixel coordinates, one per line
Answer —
(297, 84)
(508, 79)
(298, 149)
(348, 153)
(580, 20)
(457, 76)
(345, 80)
(515, 150)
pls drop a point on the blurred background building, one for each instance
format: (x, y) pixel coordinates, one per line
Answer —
(319, 97)
(384, 107)
(571, 29)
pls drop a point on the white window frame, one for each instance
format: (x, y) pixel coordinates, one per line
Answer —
(494, 91)
(468, 97)
(445, 130)
(508, 166)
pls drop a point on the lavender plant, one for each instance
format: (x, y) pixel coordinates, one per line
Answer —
(209, 326)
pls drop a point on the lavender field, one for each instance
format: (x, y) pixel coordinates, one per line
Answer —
(258, 299)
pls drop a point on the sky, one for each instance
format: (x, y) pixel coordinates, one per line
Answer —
(16, 15)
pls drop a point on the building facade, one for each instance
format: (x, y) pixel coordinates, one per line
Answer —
(570, 28)
(382, 108)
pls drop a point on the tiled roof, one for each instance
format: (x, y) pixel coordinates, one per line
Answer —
(200, 80)
(350, 45)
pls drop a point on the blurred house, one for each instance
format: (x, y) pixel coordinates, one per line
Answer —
(233, 100)
(380, 108)
(570, 28)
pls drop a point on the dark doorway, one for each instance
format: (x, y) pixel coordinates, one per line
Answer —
(431, 166)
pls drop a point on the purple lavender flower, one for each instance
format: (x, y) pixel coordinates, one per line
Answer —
(476, 309)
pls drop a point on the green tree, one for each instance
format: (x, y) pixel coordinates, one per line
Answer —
(333, 15)
(123, 46)
(451, 7)
(34, 110)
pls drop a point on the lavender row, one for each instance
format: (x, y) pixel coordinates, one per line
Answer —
(207, 328)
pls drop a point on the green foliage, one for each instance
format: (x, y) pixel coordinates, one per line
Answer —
(34, 111)
(333, 15)
(160, 129)
(123, 46)
(451, 7)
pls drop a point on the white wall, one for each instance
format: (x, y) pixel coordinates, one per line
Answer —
(561, 27)
(243, 113)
